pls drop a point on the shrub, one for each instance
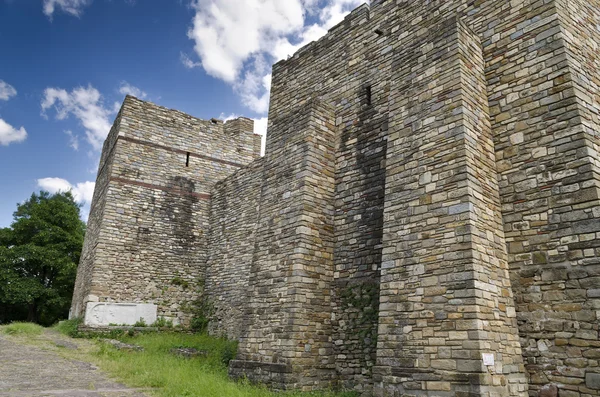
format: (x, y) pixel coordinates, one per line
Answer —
(162, 322)
(69, 327)
(229, 352)
(180, 282)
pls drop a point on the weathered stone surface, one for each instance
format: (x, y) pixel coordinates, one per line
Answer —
(99, 314)
(592, 380)
(188, 352)
(235, 208)
(548, 391)
(123, 346)
(289, 285)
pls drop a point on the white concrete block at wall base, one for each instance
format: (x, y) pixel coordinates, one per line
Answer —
(98, 314)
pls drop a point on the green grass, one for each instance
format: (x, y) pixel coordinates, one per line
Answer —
(156, 368)
(173, 376)
(69, 327)
(21, 329)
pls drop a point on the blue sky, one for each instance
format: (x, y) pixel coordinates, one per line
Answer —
(66, 65)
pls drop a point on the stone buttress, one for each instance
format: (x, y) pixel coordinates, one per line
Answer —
(447, 321)
(285, 339)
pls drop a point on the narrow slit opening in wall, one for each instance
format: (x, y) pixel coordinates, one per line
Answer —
(368, 95)
(187, 159)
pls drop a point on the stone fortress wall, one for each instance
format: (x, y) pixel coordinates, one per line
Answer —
(426, 219)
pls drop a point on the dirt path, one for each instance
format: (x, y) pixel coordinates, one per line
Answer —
(38, 370)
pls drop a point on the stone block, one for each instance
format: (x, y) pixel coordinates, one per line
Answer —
(101, 314)
(469, 365)
(548, 391)
(592, 380)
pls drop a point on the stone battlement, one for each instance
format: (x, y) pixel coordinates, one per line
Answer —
(425, 222)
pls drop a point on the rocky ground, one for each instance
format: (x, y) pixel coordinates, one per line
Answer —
(39, 368)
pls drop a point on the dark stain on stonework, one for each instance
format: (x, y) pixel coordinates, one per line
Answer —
(356, 291)
(179, 209)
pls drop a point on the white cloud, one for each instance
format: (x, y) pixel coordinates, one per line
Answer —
(71, 7)
(9, 134)
(128, 89)
(226, 118)
(82, 192)
(255, 87)
(237, 41)
(187, 61)
(86, 105)
(94, 163)
(6, 91)
(228, 32)
(73, 140)
(260, 128)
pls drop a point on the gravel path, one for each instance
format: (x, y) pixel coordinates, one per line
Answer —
(38, 370)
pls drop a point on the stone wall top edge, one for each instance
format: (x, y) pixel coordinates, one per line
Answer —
(335, 30)
(233, 123)
(372, 11)
(237, 118)
(252, 169)
(357, 13)
(110, 141)
(131, 98)
(306, 108)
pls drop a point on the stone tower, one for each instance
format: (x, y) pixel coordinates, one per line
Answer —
(145, 246)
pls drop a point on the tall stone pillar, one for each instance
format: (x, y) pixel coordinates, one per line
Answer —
(286, 339)
(543, 82)
(447, 322)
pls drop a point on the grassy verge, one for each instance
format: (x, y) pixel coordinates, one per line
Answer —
(173, 376)
(68, 327)
(21, 329)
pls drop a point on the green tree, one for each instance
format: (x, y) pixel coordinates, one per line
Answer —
(39, 254)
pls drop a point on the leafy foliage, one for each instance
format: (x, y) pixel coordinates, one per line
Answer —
(203, 310)
(39, 254)
(162, 322)
(69, 327)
